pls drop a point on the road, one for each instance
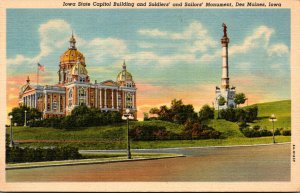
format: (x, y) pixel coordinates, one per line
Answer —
(223, 164)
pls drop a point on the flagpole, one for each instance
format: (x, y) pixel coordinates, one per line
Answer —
(37, 75)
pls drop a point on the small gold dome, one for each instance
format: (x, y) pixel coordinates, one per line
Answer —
(82, 69)
(124, 76)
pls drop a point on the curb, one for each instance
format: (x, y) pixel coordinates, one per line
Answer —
(199, 147)
(87, 163)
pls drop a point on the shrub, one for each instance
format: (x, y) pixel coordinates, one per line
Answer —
(206, 113)
(256, 131)
(248, 114)
(195, 130)
(149, 132)
(81, 116)
(286, 132)
(278, 131)
(18, 155)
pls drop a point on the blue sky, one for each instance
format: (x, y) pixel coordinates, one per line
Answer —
(175, 50)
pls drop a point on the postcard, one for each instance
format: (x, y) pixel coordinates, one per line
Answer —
(150, 96)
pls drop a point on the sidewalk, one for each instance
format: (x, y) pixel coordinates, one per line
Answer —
(82, 162)
(196, 147)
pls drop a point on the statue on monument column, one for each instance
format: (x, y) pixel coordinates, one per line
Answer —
(224, 29)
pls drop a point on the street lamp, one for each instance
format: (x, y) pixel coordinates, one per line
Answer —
(25, 119)
(273, 119)
(128, 116)
(11, 144)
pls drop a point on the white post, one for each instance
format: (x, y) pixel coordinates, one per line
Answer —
(46, 101)
(117, 96)
(124, 100)
(35, 97)
(96, 90)
(59, 103)
(51, 101)
(133, 94)
(30, 101)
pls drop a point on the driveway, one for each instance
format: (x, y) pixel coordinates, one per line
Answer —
(223, 164)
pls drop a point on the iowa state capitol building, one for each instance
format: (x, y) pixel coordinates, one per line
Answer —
(74, 88)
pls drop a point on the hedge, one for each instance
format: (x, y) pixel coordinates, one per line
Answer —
(19, 155)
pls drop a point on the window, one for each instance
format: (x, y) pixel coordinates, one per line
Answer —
(129, 100)
(81, 79)
(128, 85)
(70, 97)
(61, 104)
(54, 105)
(82, 96)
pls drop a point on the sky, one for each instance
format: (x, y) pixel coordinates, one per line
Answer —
(171, 53)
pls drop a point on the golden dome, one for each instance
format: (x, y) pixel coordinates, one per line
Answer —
(72, 55)
(124, 75)
(82, 69)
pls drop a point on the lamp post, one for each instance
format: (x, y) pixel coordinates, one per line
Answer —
(11, 144)
(25, 122)
(273, 119)
(128, 116)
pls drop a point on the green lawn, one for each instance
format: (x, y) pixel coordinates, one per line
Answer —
(209, 142)
(114, 136)
(228, 129)
(281, 109)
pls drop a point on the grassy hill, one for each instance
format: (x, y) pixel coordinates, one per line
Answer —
(281, 109)
(114, 136)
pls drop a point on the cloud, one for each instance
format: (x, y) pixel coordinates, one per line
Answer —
(278, 49)
(260, 37)
(100, 49)
(55, 33)
(192, 46)
(153, 32)
(195, 34)
(210, 57)
(146, 45)
(52, 35)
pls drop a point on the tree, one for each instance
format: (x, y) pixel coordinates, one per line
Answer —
(154, 111)
(18, 114)
(146, 116)
(206, 113)
(221, 102)
(180, 113)
(240, 98)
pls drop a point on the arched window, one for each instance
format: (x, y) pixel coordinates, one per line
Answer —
(70, 101)
(82, 96)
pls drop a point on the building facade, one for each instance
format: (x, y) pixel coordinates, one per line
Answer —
(74, 89)
(225, 91)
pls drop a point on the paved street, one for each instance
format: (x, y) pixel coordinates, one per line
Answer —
(253, 163)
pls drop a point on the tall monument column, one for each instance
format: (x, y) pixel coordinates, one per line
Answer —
(224, 42)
